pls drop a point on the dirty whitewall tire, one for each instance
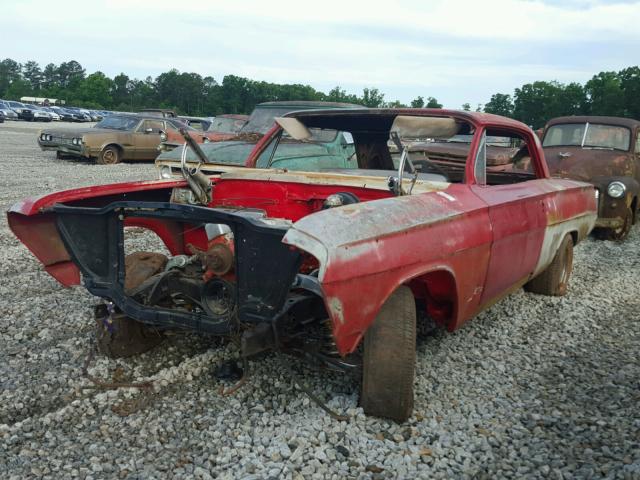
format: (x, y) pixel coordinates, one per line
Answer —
(555, 279)
(388, 366)
(119, 336)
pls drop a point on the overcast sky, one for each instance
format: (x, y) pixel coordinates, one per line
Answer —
(457, 51)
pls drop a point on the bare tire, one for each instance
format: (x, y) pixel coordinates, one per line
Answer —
(118, 335)
(389, 359)
(109, 155)
(555, 279)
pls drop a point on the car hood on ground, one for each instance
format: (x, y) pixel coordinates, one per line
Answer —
(588, 163)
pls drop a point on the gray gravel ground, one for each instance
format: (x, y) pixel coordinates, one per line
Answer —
(536, 387)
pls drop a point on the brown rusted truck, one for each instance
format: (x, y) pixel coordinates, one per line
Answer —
(604, 151)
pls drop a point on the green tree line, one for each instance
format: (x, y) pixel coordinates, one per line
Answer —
(187, 93)
(607, 93)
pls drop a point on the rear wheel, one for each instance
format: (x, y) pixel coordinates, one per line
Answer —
(118, 335)
(109, 155)
(555, 279)
(389, 359)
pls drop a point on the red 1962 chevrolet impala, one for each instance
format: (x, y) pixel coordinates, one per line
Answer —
(337, 266)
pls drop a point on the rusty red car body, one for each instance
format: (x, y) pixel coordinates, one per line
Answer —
(601, 160)
(173, 139)
(458, 246)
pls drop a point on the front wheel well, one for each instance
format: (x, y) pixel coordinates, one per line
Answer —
(117, 146)
(574, 236)
(437, 290)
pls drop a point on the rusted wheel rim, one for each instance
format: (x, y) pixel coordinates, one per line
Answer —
(110, 156)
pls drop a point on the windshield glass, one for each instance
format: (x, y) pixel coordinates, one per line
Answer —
(118, 123)
(226, 125)
(261, 119)
(590, 135)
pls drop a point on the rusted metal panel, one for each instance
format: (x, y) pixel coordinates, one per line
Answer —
(610, 156)
(366, 250)
(587, 164)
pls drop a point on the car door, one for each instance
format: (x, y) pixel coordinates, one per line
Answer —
(146, 139)
(517, 216)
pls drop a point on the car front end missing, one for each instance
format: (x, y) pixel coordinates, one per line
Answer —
(239, 277)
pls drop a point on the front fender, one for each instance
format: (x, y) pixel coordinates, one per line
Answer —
(631, 184)
(616, 208)
(366, 250)
(34, 223)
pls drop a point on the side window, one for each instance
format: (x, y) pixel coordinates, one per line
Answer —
(504, 157)
(155, 125)
(480, 167)
(638, 143)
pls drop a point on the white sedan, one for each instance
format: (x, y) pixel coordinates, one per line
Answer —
(40, 115)
(52, 112)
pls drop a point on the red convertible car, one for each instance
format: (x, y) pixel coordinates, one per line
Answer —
(335, 266)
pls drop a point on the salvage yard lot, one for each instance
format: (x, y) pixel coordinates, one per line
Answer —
(535, 386)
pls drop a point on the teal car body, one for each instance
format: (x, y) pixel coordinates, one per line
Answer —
(326, 149)
(312, 155)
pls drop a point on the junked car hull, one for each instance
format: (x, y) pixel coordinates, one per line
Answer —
(296, 261)
(354, 245)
